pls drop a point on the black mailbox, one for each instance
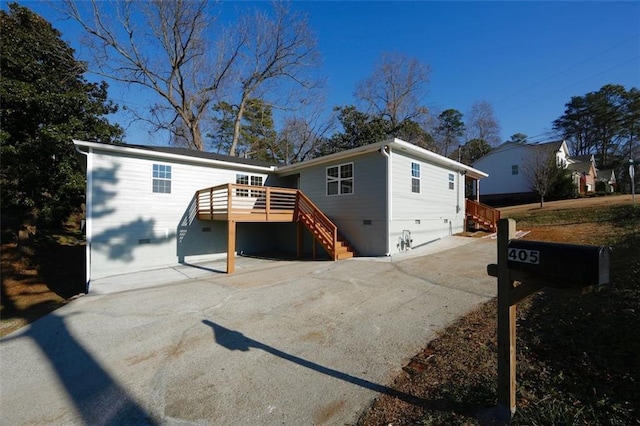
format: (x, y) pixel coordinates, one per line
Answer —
(558, 265)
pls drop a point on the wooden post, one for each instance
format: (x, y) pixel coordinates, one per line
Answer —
(299, 235)
(231, 246)
(506, 326)
(268, 202)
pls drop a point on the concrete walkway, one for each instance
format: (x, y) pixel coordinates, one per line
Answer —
(279, 342)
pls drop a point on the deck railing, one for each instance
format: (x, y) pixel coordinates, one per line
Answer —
(246, 203)
(482, 213)
(320, 226)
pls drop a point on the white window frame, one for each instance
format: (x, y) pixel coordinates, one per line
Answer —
(255, 180)
(415, 177)
(515, 170)
(161, 178)
(248, 179)
(340, 180)
(452, 181)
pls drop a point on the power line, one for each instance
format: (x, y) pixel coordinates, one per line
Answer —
(635, 37)
(574, 84)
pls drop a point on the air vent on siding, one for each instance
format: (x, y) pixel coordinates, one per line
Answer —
(366, 222)
(206, 229)
(144, 241)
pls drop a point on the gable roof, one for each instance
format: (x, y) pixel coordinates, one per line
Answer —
(553, 146)
(583, 167)
(395, 143)
(173, 153)
(581, 158)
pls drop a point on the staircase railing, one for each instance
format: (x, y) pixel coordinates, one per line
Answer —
(481, 212)
(320, 226)
(264, 203)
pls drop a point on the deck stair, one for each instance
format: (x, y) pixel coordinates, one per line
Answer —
(245, 203)
(323, 230)
(482, 216)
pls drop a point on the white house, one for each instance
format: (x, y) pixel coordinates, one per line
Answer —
(505, 166)
(150, 207)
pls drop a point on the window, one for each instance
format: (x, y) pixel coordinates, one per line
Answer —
(452, 181)
(161, 179)
(242, 179)
(256, 181)
(415, 178)
(340, 179)
(514, 169)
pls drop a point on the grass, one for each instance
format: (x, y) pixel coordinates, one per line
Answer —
(578, 354)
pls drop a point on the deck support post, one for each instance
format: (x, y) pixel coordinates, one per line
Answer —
(231, 246)
(299, 235)
(506, 326)
(313, 249)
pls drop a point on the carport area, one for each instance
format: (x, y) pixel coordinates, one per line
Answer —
(279, 342)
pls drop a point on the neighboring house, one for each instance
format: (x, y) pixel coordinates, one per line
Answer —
(608, 177)
(505, 166)
(150, 207)
(583, 173)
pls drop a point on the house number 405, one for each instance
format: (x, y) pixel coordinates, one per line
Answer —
(524, 256)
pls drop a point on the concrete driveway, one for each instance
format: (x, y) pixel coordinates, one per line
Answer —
(279, 342)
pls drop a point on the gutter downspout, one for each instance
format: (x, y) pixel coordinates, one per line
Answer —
(88, 214)
(386, 151)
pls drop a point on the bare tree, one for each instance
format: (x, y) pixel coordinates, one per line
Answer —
(277, 50)
(161, 46)
(542, 171)
(482, 123)
(302, 135)
(173, 49)
(395, 89)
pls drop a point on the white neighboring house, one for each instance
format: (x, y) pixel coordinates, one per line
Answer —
(143, 202)
(505, 166)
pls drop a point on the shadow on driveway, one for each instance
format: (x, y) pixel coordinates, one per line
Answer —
(236, 341)
(97, 397)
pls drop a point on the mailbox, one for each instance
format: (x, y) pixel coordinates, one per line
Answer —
(559, 265)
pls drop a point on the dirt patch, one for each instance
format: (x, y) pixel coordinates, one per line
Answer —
(39, 276)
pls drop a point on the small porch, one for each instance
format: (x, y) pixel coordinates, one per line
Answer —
(236, 203)
(481, 215)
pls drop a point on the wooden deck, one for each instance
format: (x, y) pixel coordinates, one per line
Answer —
(246, 203)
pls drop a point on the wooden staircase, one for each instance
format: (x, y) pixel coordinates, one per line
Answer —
(482, 216)
(246, 203)
(321, 228)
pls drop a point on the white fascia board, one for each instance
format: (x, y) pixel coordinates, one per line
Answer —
(396, 144)
(437, 158)
(168, 156)
(342, 155)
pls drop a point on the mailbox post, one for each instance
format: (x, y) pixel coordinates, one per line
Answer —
(523, 268)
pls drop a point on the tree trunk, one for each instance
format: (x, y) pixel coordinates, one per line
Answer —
(236, 126)
(541, 201)
(197, 137)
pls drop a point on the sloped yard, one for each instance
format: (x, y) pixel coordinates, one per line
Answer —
(578, 355)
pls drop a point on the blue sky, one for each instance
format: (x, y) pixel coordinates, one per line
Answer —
(525, 58)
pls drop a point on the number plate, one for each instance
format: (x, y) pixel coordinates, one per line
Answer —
(524, 256)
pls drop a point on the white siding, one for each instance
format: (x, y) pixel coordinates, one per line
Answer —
(135, 229)
(432, 213)
(499, 164)
(350, 211)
